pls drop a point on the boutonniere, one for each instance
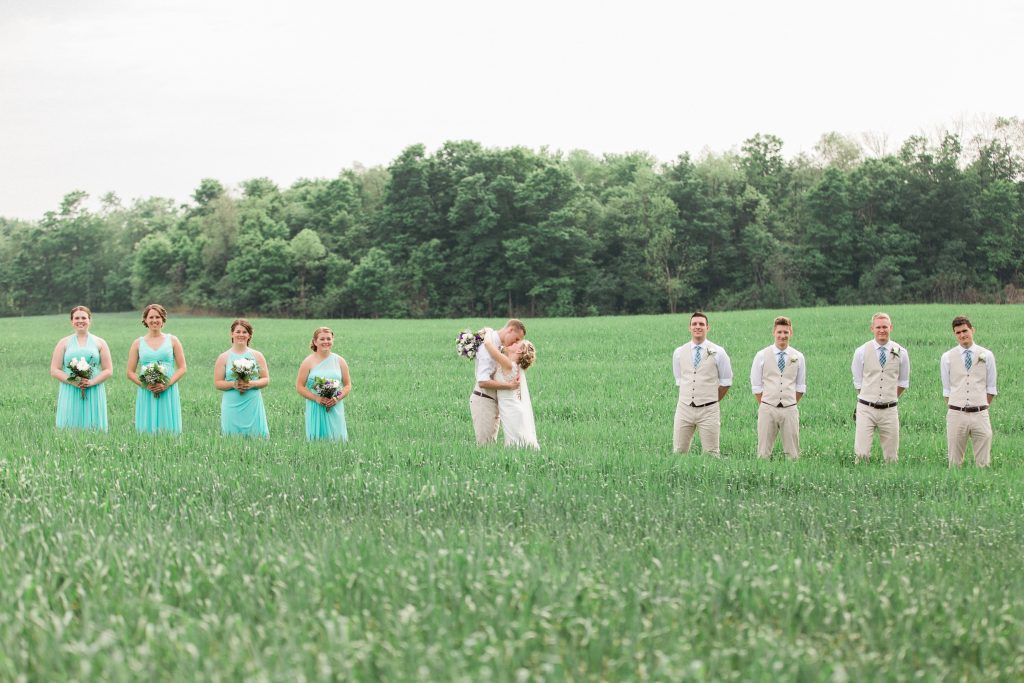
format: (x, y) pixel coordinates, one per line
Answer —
(982, 357)
(711, 352)
(792, 358)
(895, 351)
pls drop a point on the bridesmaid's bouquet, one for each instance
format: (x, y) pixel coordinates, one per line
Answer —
(79, 369)
(245, 369)
(154, 373)
(325, 387)
(468, 343)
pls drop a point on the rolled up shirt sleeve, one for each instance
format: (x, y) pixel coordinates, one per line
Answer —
(944, 373)
(801, 375)
(904, 380)
(485, 365)
(757, 373)
(990, 374)
(677, 367)
(724, 368)
(857, 368)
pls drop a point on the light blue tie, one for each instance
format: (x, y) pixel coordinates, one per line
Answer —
(967, 359)
(696, 356)
(782, 361)
(881, 356)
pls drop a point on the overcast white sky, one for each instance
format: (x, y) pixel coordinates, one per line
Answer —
(147, 97)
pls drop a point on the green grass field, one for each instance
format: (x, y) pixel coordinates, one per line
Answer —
(410, 553)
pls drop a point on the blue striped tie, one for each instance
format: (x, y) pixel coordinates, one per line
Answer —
(881, 356)
(782, 361)
(696, 357)
(967, 359)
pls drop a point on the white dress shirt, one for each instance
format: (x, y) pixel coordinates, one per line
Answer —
(989, 362)
(485, 364)
(757, 369)
(683, 357)
(857, 367)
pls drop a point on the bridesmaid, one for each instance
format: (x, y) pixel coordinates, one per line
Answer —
(157, 406)
(241, 407)
(325, 417)
(77, 409)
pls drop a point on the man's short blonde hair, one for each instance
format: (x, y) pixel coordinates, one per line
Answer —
(516, 324)
(878, 315)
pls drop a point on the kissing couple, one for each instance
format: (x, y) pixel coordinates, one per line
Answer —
(501, 395)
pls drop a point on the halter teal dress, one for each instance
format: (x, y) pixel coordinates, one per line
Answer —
(323, 424)
(158, 413)
(242, 413)
(73, 411)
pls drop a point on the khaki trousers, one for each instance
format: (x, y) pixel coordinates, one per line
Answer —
(705, 421)
(485, 417)
(887, 422)
(770, 421)
(977, 426)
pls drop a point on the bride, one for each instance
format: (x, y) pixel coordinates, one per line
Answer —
(514, 406)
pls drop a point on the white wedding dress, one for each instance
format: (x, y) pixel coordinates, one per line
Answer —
(516, 411)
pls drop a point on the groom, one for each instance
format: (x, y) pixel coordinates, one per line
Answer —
(483, 402)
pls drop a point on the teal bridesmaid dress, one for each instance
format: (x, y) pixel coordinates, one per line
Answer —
(73, 411)
(158, 413)
(242, 414)
(323, 424)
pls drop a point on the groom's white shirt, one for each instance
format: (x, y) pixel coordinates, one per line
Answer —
(485, 365)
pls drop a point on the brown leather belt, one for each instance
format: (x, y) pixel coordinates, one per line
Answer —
(703, 405)
(879, 406)
(969, 409)
(480, 393)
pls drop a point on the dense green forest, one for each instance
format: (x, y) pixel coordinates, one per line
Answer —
(470, 231)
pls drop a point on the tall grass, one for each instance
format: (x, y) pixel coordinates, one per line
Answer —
(410, 553)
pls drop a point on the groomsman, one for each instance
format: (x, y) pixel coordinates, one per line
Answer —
(881, 372)
(483, 402)
(703, 374)
(779, 380)
(968, 374)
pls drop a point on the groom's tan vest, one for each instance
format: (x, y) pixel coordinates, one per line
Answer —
(699, 385)
(879, 384)
(778, 387)
(967, 388)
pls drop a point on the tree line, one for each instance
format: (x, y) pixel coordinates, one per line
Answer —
(476, 231)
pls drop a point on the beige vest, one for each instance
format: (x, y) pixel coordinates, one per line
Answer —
(698, 385)
(967, 388)
(879, 384)
(778, 387)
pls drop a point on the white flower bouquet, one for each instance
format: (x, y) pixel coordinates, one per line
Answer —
(468, 343)
(245, 369)
(153, 374)
(78, 370)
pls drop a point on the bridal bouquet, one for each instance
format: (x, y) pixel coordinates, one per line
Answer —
(154, 373)
(79, 369)
(245, 369)
(468, 343)
(327, 388)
